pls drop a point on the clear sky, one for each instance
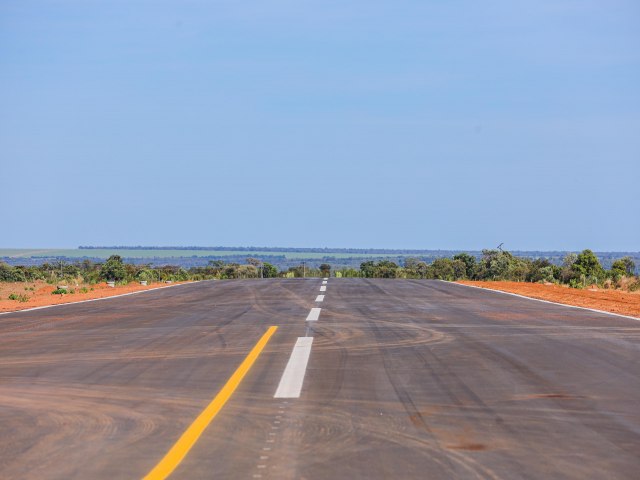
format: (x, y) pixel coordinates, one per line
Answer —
(455, 124)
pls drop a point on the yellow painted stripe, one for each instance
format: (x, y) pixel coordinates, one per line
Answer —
(177, 453)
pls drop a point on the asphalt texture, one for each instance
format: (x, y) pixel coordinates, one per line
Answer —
(407, 379)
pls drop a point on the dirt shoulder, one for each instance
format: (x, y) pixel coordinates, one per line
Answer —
(38, 294)
(615, 301)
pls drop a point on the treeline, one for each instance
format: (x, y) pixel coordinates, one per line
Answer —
(577, 270)
(116, 270)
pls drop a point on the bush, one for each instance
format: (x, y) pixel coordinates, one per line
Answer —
(11, 274)
(146, 275)
(576, 283)
(59, 291)
(20, 298)
(113, 269)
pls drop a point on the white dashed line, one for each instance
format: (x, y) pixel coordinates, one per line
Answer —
(323, 288)
(320, 298)
(293, 376)
(314, 314)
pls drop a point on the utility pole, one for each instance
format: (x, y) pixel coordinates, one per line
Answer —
(304, 273)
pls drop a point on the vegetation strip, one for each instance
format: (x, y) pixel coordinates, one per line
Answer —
(180, 449)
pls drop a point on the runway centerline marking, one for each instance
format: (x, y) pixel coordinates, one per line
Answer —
(291, 382)
(323, 288)
(320, 298)
(324, 282)
(191, 435)
(314, 314)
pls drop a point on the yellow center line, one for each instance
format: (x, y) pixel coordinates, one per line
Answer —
(177, 453)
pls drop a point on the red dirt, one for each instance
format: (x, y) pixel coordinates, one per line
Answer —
(41, 294)
(615, 301)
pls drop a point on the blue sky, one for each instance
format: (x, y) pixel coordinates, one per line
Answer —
(409, 124)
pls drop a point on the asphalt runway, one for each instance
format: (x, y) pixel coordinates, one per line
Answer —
(398, 379)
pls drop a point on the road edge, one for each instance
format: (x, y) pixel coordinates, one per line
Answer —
(637, 319)
(101, 298)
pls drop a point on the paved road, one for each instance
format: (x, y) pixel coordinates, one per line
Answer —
(406, 379)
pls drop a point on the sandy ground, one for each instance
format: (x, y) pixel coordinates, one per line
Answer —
(615, 301)
(39, 293)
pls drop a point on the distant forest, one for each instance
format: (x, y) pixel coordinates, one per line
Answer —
(341, 261)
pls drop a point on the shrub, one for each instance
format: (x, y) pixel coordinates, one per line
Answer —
(576, 283)
(59, 291)
(84, 290)
(113, 269)
(20, 298)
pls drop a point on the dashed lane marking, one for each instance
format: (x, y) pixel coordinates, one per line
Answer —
(293, 375)
(314, 314)
(320, 298)
(323, 288)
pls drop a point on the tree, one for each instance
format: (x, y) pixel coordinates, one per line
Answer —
(518, 269)
(368, 269)
(113, 269)
(382, 269)
(469, 262)
(325, 268)
(416, 268)
(459, 269)
(587, 264)
(269, 271)
(494, 265)
(386, 269)
(567, 272)
(443, 269)
(623, 266)
(539, 270)
(10, 274)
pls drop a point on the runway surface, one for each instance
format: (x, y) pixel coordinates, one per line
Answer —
(398, 379)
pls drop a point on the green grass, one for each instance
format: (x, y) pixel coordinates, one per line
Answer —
(106, 253)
